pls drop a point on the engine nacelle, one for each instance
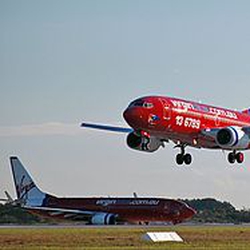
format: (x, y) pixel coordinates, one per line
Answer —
(103, 219)
(232, 138)
(142, 143)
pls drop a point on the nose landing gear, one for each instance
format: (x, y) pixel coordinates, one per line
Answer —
(234, 156)
(183, 157)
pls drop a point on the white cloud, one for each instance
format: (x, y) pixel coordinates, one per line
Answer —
(50, 128)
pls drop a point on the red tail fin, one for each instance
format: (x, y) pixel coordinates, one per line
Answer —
(246, 111)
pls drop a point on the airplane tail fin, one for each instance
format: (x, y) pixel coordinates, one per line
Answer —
(246, 111)
(28, 194)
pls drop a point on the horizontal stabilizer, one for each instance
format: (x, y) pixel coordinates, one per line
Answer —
(9, 198)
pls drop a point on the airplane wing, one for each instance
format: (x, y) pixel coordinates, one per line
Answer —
(210, 133)
(231, 137)
(213, 132)
(246, 130)
(93, 217)
(73, 214)
(107, 127)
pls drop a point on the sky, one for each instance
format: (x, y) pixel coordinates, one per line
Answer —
(64, 62)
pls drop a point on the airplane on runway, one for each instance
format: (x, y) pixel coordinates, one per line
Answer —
(154, 120)
(95, 211)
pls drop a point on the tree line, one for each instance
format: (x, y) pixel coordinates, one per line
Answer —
(214, 211)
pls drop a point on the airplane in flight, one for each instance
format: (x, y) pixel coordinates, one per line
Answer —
(95, 211)
(155, 120)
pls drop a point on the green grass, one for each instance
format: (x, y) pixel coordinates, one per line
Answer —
(212, 238)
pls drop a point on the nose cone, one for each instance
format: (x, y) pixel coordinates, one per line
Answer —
(134, 117)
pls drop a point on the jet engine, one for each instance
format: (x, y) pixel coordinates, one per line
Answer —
(143, 143)
(103, 219)
(232, 138)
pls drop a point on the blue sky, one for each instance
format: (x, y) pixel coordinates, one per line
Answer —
(63, 62)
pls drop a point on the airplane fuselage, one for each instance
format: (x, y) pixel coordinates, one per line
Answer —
(128, 209)
(155, 120)
(96, 211)
(180, 120)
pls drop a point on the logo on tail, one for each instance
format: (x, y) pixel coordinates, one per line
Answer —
(27, 192)
(246, 111)
(23, 189)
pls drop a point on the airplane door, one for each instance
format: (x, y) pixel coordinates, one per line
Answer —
(166, 110)
(217, 121)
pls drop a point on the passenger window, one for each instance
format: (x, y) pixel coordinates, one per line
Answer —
(137, 104)
(140, 103)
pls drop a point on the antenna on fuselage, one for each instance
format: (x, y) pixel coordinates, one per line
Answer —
(135, 195)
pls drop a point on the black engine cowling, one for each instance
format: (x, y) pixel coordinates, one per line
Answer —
(142, 143)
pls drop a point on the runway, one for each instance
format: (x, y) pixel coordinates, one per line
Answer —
(129, 226)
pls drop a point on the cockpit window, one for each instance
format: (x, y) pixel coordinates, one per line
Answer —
(137, 104)
(140, 103)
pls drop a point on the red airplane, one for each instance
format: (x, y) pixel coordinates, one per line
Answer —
(96, 211)
(155, 120)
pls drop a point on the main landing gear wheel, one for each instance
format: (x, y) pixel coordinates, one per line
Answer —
(233, 157)
(183, 157)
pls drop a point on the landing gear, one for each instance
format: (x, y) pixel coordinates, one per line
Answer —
(183, 157)
(234, 156)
